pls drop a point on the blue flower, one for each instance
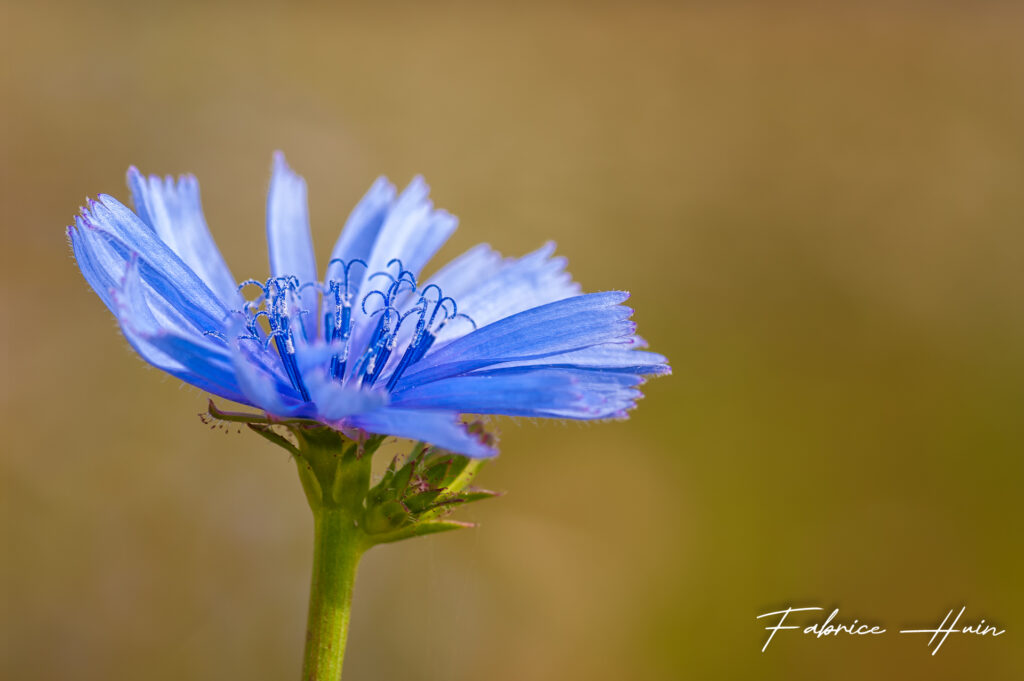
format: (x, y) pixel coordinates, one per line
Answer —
(369, 346)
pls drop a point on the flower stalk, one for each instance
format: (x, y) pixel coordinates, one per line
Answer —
(335, 474)
(412, 498)
(337, 550)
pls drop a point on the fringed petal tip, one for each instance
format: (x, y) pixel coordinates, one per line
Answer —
(656, 370)
(134, 178)
(478, 446)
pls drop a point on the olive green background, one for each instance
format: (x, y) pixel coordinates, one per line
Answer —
(819, 210)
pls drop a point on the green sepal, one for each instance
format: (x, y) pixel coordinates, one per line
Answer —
(473, 494)
(453, 501)
(381, 492)
(401, 480)
(412, 497)
(243, 417)
(465, 475)
(386, 517)
(456, 468)
(421, 530)
(279, 440)
(437, 472)
(418, 503)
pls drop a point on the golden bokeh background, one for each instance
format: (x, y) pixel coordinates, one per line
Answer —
(819, 209)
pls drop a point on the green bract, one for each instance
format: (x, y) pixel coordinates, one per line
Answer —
(413, 497)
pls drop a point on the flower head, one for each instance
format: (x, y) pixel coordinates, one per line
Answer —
(370, 346)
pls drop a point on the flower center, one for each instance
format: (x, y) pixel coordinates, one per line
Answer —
(280, 312)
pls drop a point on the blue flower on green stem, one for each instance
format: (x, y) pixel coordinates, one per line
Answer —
(371, 346)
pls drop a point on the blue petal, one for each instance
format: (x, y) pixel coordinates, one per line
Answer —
(413, 230)
(440, 428)
(145, 308)
(265, 390)
(187, 359)
(335, 401)
(104, 262)
(620, 357)
(487, 288)
(174, 212)
(160, 268)
(101, 265)
(107, 264)
(197, 360)
(360, 232)
(265, 360)
(165, 352)
(411, 234)
(511, 286)
(557, 393)
(460, 276)
(552, 329)
(288, 237)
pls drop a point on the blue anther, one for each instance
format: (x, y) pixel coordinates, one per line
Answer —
(338, 324)
(276, 333)
(367, 297)
(379, 346)
(423, 338)
(252, 282)
(276, 310)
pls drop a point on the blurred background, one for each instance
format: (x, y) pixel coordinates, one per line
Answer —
(818, 209)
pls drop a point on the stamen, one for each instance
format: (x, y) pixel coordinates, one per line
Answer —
(280, 303)
(338, 323)
(402, 272)
(376, 345)
(275, 297)
(459, 316)
(389, 341)
(423, 338)
(411, 356)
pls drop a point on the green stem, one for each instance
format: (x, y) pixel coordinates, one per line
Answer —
(336, 556)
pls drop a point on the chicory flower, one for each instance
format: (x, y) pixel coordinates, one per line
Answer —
(370, 345)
